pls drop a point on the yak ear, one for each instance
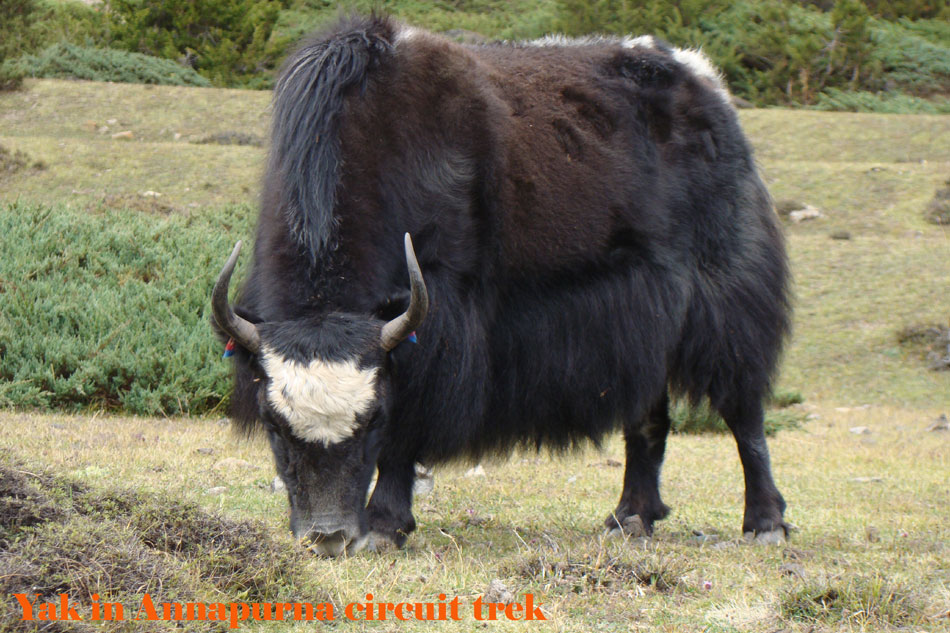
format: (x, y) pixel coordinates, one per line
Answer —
(393, 305)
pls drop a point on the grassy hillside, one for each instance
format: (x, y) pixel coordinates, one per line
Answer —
(870, 175)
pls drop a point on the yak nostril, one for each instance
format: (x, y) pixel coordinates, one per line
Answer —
(332, 544)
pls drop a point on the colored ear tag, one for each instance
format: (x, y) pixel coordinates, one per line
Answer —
(229, 349)
(412, 337)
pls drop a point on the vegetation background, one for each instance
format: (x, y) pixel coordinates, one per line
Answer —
(119, 199)
(858, 55)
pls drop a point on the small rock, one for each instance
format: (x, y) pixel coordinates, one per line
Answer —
(498, 592)
(703, 538)
(278, 485)
(940, 424)
(792, 569)
(475, 471)
(796, 554)
(112, 121)
(633, 527)
(613, 463)
(772, 537)
(807, 213)
(177, 135)
(217, 490)
(860, 430)
(867, 480)
(726, 545)
(126, 135)
(572, 479)
(232, 462)
(103, 129)
(425, 481)
(205, 451)
(151, 194)
(841, 235)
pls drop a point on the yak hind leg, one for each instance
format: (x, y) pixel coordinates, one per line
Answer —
(764, 505)
(390, 507)
(640, 504)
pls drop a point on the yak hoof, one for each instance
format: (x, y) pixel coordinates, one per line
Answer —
(632, 527)
(772, 537)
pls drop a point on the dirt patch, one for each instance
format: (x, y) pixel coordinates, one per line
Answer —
(662, 572)
(22, 504)
(231, 138)
(134, 202)
(60, 537)
(12, 161)
(938, 210)
(867, 602)
(929, 342)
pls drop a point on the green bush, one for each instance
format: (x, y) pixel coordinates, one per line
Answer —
(111, 309)
(703, 419)
(67, 61)
(775, 51)
(882, 102)
(16, 18)
(913, 61)
(227, 41)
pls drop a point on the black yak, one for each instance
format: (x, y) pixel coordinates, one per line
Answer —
(591, 236)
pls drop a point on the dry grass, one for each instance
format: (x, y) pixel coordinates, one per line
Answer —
(872, 517)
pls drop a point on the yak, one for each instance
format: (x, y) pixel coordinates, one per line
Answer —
(590, 238)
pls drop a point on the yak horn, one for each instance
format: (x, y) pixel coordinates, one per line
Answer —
(241, 330)
(396, 331)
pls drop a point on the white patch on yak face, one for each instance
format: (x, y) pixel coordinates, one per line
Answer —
(321, 400)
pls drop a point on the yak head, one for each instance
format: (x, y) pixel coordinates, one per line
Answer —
(324, 398)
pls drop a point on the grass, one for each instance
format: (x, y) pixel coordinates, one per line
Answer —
(872, 552)
(872, 518)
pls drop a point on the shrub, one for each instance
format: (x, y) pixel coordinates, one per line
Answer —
(16, 18)
(111, 309)
(703, 419)
(912, 61)
(775, 51)
(68, 61)
(881, 102)
(26, 26)
(227, 41)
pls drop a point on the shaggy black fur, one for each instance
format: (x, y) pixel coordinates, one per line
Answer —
(592, 231)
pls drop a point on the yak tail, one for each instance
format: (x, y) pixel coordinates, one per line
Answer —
(308, 100)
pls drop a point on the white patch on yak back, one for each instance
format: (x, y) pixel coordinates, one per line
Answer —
(642, 41)
(693, 59)
(320, 400)
(701, 67)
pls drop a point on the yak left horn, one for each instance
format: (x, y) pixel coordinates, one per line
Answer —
(396, 331)
(241, 330)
